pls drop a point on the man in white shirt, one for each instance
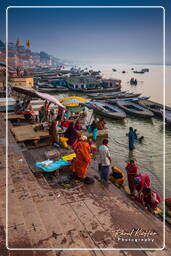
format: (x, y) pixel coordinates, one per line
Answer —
(105, 161)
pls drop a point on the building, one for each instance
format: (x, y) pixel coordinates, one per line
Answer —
(22, 81)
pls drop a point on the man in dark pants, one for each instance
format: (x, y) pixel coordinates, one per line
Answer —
(105, 161)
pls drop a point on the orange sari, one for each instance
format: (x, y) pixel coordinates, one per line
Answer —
(82, 159)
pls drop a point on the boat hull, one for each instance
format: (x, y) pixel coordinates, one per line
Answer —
(112, 112)
(154, 107)
(51, 90)
(117, 96)
(100, 90)
(134, 109)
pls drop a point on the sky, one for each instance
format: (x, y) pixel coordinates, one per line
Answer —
(91, 35)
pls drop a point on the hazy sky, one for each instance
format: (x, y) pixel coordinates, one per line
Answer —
(91, 35)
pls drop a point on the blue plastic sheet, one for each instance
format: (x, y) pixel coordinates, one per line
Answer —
(55, 165)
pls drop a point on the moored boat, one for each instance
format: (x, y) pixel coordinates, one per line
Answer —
(134, 99)
(154, 107)
(108, 110)
(52, 89)
(134, 109)
(167, 116)
(95, 95)
(117, 96)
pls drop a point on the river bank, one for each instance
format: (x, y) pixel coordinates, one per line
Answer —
(42, 215)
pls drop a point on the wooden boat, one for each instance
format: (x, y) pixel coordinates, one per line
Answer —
(154, 107)
(134, 99)
(108, 110)
(101, 89)
(117, 96)
(133, 81)
(52, 89)
(95, 95)
(167, 116)
(138, 72)
(134, 109)
(145, 69)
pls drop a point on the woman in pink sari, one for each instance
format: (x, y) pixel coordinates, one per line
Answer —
(142, 181)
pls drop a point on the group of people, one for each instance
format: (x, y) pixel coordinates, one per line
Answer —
(24, 108)
(139, 183)
(139, 186)
(95, 126)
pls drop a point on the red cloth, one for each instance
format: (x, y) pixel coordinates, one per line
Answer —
(132, 172)
(152, 199)
(144, 183)
(65, 124)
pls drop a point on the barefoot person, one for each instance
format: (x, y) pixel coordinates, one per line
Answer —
(83, 157)
(105, 161)
(132, 171)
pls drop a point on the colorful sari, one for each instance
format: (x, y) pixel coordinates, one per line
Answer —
(144, 182)
(132, 172)
(82, 160)
(72, 135)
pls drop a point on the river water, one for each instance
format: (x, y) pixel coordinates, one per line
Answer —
(149, 154)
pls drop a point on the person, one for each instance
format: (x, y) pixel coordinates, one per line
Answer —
(24, 104)
(132, 171)
(84, 114)
(141, 181)
(42, 114)
(83, 157)
(131, 138)
(117, 176)
(46, 106)
(60, 112)
(94, 130)
(140, 140)
(28, 112)
(101, 124)
(65, 123)
(53, 134)
(72, 135)
(66, 114)
(151, 199)
(17, 107)
(51, 115)
(78, 126)
(135, 135)
(105, 161)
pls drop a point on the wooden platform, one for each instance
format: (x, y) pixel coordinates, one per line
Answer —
(41, 215)
(27, 133)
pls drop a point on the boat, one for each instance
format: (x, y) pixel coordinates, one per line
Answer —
(123, 71)
(52, 89)
(145, 69)
(114, 70)
(113, 96)
(134, 109)
(98, 89)
(167, 117)
(94, 95)
(138, 72)
(83, 85)
(133, 81)
(134, 99)
(154, 107)
(108, 110)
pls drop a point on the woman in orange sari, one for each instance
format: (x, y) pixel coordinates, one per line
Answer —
(83, 157)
